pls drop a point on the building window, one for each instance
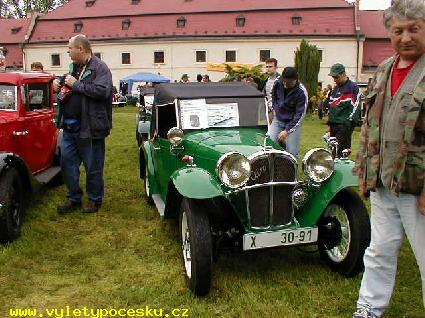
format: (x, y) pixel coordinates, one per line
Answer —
(98, 55)
(135, 1)
(201, 56)
(264, 55)
(240, 21)
(321, 55)
(230, 56)
(126, 24)
(125, 58)
(181, 22)
(16, 30)
(159, 57)
(56, 59)
(90, 3)
(296, 19)
(78, 26)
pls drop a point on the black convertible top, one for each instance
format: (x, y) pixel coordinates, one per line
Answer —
(166, 93)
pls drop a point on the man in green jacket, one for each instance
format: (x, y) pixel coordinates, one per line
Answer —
(391, 160)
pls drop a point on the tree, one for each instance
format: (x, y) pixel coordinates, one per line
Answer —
(239, 72)
(307, 63)
(20, 8)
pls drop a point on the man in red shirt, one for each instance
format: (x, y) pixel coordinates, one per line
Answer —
(391, 159)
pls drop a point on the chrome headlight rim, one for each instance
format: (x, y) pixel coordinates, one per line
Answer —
(219, 168)
(306, 167)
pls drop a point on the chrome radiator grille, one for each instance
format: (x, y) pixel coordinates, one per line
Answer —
(271, 205)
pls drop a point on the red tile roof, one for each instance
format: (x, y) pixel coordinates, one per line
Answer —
(103, 8)
(372, 25)
(376, 51)
(336, 21)
(13, 33)
(14, 56)
(6, 27)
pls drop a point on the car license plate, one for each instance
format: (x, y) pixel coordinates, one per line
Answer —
(280, 238)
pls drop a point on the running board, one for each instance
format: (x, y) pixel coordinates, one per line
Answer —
(160, 205)
(47, 175)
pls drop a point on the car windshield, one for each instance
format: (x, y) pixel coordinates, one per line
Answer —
(7, 97)
(222, 112)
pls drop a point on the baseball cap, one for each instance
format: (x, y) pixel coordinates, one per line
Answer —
(290, 73)
(337, 69)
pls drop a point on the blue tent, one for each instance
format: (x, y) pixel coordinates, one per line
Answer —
(143, 77)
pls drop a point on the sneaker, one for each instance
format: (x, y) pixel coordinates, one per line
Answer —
(68, 207)
(363, 313)
(92, 207)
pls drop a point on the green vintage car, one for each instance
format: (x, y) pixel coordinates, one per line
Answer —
(208, 161)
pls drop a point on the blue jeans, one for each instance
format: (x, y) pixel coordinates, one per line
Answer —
(292, 144)
(392, 219)
(90, 152)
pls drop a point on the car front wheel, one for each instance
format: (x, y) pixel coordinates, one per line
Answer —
(197, 246)
(11, 209)
(344, 233)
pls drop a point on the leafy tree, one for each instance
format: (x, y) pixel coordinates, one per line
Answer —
(239, 72)
(307, 63)
(20, 8)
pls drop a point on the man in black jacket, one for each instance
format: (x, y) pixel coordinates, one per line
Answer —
(85, 114)
(289, 100)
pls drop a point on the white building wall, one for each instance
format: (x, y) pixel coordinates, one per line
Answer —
(180, 55)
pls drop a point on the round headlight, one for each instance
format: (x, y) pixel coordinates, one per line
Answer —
(318, 165)
(175, 136)
(233, 169)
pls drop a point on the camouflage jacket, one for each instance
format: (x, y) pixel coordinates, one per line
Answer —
(409, 167)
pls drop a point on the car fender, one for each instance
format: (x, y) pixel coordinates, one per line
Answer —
(342, 178)
(147, 153)
(10, 160)
(196, 183)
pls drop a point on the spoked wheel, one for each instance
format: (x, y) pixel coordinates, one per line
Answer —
(148, 193)
(197, 247)
(11, 209)
(344, 233)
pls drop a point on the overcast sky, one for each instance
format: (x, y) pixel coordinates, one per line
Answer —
(373, 4)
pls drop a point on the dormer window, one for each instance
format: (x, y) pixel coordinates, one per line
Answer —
(296, 19)
(181, 22)
(16, 30)
(240, 21)
(90, 3)
(126, 24)
(135, 1)
(78, 26)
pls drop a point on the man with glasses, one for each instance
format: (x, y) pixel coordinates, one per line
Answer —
(344, 110)
(289, 100)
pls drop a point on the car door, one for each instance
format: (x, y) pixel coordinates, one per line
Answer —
(37, 138)
(163, 158)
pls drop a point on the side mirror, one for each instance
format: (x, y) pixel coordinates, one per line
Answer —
(175, 136)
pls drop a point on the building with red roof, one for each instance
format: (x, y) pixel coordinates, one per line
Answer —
(175, 37)
(14, 32)
(377, 46)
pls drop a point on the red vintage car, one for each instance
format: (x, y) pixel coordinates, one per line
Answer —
(29, 144)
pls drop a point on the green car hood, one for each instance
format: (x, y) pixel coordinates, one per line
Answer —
(212, 144)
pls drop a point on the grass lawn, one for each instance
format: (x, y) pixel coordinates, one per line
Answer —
(126, 257)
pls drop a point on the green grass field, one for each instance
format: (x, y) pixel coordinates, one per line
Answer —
(126, 257)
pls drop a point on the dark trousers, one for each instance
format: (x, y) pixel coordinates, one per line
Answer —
(343, 135)
(90, 152)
